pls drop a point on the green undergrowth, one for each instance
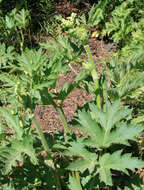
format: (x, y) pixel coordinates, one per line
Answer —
(108, 155)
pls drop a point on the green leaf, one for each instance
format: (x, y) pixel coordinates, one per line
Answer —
(22, 18)
(9, 186)
(106, 128)
(119, 162)
(7, 79)
(96, 14)
(134, 187)
(43, 84)
(12, 121)
(98, 115)
(91, 128)
(81, 76)
(7, 55)
(77, 149)
(26, 147)
(10, 156)
(32, 61)
(9, 22)
(88, 161)
(114, 113)
(122, 134)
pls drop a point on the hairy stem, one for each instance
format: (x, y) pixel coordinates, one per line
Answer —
(48, 151)
(43, 140)
(94, 75)
(61, 114)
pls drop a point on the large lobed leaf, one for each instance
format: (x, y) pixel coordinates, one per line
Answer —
(87, 160)
(10, 156)
(12, 121)
(119, 162)
(91, 128)
(122, 134)
(106, 128)
(113, 114)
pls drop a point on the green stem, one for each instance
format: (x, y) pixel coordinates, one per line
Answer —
(43, 140)
(48, 151)
(94, 74)
(25, 4)
(57, 181)
(78, 179)
(22, 41)
(30, 38)
(61, 114)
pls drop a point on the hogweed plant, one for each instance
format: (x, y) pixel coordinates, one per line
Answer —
(105, 156)
(69, 162)
(103, 152)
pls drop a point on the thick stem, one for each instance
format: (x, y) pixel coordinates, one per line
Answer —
(48, 151)
(57, 181)
(78, 179)
(43, 140)
(94, 75)
(61, 114)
